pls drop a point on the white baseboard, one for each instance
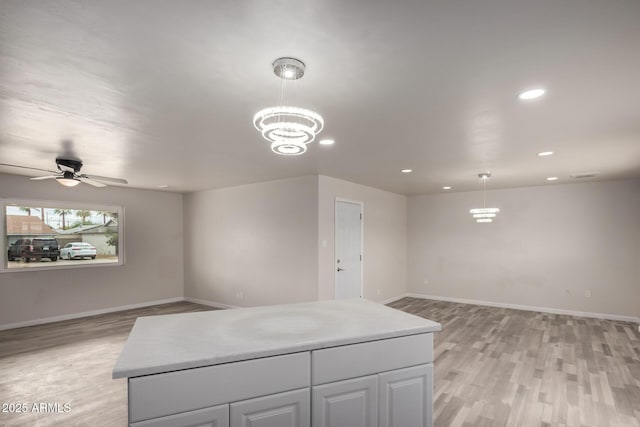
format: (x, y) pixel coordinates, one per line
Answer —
(527, 307)
(87, 313)
(209, 303)
(387, 301)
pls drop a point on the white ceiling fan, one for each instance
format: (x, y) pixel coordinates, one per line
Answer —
(69, 175)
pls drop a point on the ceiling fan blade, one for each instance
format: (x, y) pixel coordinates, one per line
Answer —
(106, 178)
(26, 167)
(40, 178)
(90, 181)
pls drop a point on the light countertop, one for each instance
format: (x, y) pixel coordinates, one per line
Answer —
(181, 341)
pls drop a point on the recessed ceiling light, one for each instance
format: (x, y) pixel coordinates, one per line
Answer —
(545, 153)
(407, 170)
(446, 187)
(531, 94)
(584, 175)
(552, 178)
(163, 186)
(327, 142)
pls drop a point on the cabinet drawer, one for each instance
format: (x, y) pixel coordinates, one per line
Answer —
(218, 416)
(160, 395)
(357, 360)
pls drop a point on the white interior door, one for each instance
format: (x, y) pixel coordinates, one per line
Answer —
(348, 262)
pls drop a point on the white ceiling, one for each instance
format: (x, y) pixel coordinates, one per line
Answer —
(163, 92)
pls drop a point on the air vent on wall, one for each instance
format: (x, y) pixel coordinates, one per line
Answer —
(584, 175)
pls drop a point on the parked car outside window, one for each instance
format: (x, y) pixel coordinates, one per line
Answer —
(33, 249)
(78, 250)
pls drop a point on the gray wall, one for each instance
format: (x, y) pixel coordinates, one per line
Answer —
(259, 240)
(264, 240)
(153, 269)
(385, 238)
(548, 246)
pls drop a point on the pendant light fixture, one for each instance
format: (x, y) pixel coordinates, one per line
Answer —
(289, 129)
(484, 214)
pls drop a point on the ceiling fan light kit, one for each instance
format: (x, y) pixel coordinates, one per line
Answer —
(484, 214)
(288, 129)
(68, 180)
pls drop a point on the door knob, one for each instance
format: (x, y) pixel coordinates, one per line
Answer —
(340, 269)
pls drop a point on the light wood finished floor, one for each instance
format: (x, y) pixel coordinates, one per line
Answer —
(71, 362)
(494, 367)
(501, 367)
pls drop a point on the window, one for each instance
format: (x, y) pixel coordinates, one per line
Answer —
(56, 235)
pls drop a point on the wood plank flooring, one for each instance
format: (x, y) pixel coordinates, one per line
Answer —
(71, 362)
(502, 367)
(494, 367)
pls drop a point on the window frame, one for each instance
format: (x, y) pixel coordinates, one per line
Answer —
(58, 204)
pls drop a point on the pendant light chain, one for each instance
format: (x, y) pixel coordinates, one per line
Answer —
(283, 82)
(484, 192)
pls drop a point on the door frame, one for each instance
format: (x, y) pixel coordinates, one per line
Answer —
(335, 243)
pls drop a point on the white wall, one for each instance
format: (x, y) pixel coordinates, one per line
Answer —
(548, 246)
(258, 239)
(385, 238)
(153, 245)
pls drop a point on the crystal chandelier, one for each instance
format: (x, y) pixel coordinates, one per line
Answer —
(289, 129)
(484, 214)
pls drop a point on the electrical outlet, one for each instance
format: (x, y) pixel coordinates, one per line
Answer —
(426, 281)
(587, 293)
(378, 291)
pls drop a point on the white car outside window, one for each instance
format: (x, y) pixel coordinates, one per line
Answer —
(78, 250)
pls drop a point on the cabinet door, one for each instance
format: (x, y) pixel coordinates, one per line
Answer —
(218, 416)
(290, 409)
(406, 397)
(350, 403)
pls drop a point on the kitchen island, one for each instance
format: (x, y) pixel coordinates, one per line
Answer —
(344, 363)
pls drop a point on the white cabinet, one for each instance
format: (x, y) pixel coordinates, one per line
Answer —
(289, 409)
(379, 383)
(386, 383)
(405, 397)
(160, 395)
(398, 398)
(217, 416)
(372, 357)
(350, 403)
